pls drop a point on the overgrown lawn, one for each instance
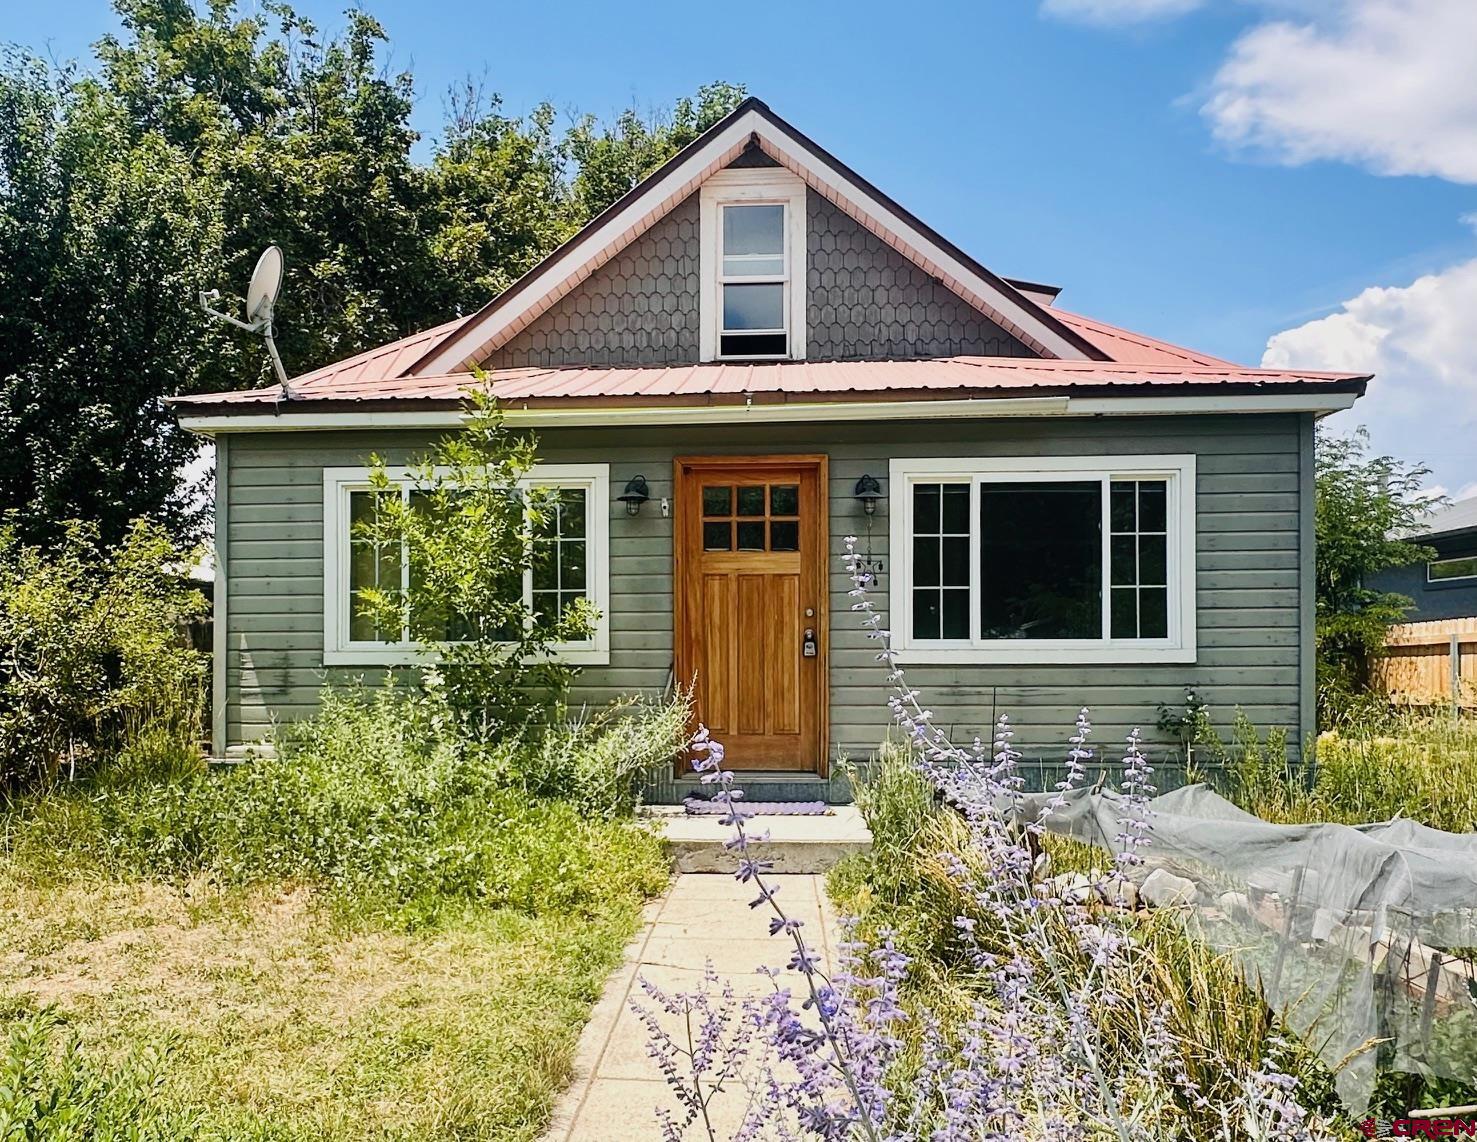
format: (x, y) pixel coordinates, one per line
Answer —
(377, 934)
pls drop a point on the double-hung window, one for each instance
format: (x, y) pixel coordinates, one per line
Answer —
(1070, 559)
(571, 561)
(753, 265)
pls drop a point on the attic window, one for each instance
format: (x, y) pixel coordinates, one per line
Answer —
(754, 281)
(753, 258)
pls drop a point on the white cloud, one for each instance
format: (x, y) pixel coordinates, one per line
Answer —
(1416, 339)
(1118, 11)
(1467, 491)
(1470, 221)
(1386, 84)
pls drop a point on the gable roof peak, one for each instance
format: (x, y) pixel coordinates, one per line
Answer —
(750, 123)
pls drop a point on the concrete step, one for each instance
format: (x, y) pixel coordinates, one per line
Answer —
(806, 845)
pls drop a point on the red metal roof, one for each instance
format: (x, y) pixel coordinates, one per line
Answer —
(1138, 361)
(781, 381)
(1125, 345)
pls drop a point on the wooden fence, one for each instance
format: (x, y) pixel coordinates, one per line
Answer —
(1431, 663)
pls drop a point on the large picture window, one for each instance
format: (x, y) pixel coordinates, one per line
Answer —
(570, 561)
(1063, 560)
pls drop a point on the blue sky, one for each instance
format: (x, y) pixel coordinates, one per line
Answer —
(1216, 173)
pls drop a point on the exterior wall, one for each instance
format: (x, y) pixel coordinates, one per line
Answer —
(868, 302)
(865, 302)
(1453, 599)
(639, 308)
(1254, 588)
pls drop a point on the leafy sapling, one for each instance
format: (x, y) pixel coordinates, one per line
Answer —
(471, 527)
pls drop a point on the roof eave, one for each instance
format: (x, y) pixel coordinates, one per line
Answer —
(1343, 385)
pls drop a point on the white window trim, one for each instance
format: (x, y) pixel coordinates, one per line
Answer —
(339, 650)
(1449, 578)
(750, 186)
(1179, 471)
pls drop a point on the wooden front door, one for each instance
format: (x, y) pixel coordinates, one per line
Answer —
(750, 601)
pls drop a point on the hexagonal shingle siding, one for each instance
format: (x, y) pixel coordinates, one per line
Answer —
(865, 302)
(639, 308)
(869, 303)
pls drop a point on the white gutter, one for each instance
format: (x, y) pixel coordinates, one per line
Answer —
(1320, 403)
(789, 412)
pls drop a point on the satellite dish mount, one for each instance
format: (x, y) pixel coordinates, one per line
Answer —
(261, 298)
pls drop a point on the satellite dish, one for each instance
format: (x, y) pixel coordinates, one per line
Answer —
(261, 300)
(266, 283)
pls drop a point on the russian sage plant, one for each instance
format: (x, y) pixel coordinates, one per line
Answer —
(1039, 1052)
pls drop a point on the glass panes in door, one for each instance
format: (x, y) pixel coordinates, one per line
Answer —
(751, 517)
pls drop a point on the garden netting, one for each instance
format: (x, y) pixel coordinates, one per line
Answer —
(1361, 937)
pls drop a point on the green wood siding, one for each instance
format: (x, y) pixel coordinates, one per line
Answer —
(1253, 586)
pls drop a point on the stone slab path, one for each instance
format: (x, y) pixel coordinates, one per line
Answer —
(703, 917)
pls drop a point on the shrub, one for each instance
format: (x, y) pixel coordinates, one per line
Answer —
(1366, 506)
(376, 800)
(92, 654)
(53, 1090)
(600, 761)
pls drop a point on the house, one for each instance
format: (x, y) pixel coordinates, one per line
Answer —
(1444, 587)
(1061, 512)
(1430, 659)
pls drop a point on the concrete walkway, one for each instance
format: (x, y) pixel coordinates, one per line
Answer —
(703, 917)
(796, 844)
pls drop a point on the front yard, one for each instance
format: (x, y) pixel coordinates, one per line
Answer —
(373, 936)
(276, 1020)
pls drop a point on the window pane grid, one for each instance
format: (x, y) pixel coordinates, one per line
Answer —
(751, 517)
(372, 565)
(1055, 559)
(558, 575)
(559, 567)
(941, 560)
(1139, 556)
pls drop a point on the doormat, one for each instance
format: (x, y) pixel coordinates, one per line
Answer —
(699, 808)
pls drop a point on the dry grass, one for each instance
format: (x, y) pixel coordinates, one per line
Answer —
(1415, 766)
(286, 1024)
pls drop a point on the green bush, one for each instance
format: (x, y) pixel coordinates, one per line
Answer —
(53, 1090)
(600, 762)
(93, 655)
(377, 801)
(470, 528)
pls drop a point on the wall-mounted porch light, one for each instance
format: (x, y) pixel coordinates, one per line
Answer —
(869, 491)
(636, 494)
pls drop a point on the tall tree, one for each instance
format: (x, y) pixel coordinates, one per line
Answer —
(613, 159)
(104, 237)
(203, 136)
(1367, 507)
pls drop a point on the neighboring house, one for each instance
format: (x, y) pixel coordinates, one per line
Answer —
(1063, 513)
(1444, 587)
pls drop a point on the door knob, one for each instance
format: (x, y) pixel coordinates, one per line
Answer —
(808, 647)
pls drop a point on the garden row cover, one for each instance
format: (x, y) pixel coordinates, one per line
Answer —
(1347, 931)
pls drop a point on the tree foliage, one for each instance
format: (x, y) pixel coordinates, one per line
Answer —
(93, 656)
(1366, 508)
(469, 528)
(201, 136)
